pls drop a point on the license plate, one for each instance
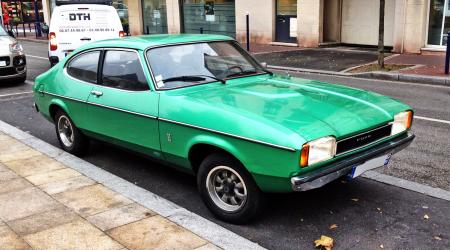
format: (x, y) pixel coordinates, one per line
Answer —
(368, 165)
(2, 63)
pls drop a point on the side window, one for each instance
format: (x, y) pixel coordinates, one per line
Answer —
(84, 67)
(123, 70)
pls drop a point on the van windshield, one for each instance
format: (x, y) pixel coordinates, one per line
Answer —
(2, 31)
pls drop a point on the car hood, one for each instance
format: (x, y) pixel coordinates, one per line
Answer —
(5, 41)
(309, 108)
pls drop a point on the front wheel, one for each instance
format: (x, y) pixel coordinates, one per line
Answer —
(228, 189)
(69, 136)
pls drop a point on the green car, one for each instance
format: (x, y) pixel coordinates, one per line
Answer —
(203, 104)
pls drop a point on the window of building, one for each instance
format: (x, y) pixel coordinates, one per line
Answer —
(122, 9)
(209, 17)
(154, 13)
(439, 22)
(123, 70)
(84, 67)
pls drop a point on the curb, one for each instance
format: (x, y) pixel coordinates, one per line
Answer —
(428, 80)
(210, 231)
(31, 40)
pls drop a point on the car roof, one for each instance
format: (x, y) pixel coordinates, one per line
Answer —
(146, 41)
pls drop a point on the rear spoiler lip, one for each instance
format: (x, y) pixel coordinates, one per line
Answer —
(68, 2)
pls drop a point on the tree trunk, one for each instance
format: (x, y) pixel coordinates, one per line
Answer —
(381, 36)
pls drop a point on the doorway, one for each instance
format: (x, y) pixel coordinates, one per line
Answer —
(286, 21)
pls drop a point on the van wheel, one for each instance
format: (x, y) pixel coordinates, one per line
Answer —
(69, 136)
(228, 190)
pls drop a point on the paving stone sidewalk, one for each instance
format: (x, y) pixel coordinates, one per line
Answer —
(47, 205)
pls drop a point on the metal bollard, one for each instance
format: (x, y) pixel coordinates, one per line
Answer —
(247, 19)
(447, 54)
(201, 30)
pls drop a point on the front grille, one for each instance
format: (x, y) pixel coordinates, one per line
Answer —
(361, 140)
(7, 71)
(6, 59)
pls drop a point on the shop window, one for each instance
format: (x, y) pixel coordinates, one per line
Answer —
(439, 22)
(209, 17)
(155, 16)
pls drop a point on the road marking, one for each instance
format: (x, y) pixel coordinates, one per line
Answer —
(431, 119)
(14, 94)
(415, 117)
(38, 57)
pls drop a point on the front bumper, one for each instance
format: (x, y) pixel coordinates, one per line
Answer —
(321, 176)
(16, 66)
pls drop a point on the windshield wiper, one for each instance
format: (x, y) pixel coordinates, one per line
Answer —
(193, 78)
(245, 72)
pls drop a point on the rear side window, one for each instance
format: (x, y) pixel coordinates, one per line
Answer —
(123, 70)
(84, 67)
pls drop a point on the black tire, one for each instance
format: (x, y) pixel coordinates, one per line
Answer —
(248, 209)
(20, 80)
(78, 144)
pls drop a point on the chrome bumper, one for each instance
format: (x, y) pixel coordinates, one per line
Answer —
(321, 176)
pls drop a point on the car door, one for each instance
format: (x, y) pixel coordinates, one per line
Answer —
(122, 108)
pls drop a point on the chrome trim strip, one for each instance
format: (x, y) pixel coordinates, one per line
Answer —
(100, 105)
(175, 122)
(370, 144)
(230, 135)
(122, 110)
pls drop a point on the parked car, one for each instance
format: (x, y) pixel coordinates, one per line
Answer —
(13, 64)
(203, 104)
(73, 25)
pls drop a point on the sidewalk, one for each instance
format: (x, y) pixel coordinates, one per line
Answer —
(47, 205)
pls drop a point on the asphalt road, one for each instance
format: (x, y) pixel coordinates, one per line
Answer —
(368, 213)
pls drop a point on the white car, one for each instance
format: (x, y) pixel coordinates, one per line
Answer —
(73, 25)
(13, 64)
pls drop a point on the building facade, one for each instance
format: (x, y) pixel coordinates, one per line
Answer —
(411, 26)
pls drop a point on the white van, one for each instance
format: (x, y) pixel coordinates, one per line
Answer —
(73, 25)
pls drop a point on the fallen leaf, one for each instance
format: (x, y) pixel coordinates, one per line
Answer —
(426, 217)
(355, 199)
(325, 242)
(437, 238)
(381, 246)
(333, 226)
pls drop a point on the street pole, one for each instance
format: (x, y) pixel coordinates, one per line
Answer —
(38, 22)
(1, 13)
(381, 35)
(447, 54)
(247, 20)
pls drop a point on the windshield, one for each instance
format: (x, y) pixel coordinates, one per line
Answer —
(192, 64)
(2, 31)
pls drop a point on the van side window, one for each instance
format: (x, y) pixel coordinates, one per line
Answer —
(84, 67)
(123, 70)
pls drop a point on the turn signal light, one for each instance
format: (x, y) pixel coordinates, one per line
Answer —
(304, 156)
(53, 44)
(121, 34)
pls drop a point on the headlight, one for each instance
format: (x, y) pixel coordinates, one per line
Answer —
(15, 48)
(402, 122)
(318, 150)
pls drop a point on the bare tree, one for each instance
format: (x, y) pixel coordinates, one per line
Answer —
(381, 35)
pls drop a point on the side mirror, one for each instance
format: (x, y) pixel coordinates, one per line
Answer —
(11, 34)
(264, 64)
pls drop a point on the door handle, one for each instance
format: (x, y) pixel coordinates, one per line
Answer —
(96, 93)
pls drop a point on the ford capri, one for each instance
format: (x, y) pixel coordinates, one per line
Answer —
(203, 104)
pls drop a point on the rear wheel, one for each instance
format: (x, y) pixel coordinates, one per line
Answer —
(228, 189)
(69, 136)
